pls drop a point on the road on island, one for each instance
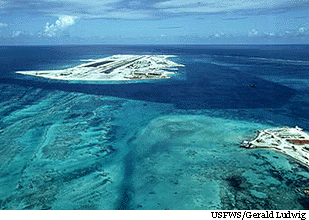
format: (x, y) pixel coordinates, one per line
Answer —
(109, 67)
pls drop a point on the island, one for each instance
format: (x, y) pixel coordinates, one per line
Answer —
(116, 67)
(293, 142)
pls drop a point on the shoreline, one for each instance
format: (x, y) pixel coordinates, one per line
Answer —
(292, 142)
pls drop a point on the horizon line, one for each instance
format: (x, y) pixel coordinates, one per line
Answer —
(185, 44)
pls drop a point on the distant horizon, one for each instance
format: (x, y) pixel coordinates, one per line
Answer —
(102, 44)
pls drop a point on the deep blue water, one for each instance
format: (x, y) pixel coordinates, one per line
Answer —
(207, 85)
(252, 86)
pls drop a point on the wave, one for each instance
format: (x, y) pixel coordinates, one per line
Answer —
(295, 62)
(269, 60)
(230, 64)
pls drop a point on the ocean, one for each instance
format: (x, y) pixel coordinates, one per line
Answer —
(155, 144)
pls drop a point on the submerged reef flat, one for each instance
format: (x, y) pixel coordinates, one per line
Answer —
(114, 68)
(71, 151)
(177, 151)
(293, 142)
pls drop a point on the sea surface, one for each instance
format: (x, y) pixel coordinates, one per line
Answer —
(157, 144)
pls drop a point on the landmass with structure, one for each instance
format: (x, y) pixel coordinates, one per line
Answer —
(293, 142)
(113, 68)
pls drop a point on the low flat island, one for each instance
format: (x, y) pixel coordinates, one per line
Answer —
(117, 67)
(293, 142)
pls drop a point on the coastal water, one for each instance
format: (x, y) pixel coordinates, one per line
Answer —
(157, 144)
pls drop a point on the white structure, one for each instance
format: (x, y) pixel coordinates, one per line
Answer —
(117, 67)
(293, 142)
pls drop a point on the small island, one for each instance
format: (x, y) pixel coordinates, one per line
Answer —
(293, 142)
(116, 67)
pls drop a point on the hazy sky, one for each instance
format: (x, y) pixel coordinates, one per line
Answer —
(153, 22)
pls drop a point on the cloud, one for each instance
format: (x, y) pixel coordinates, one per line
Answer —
(253, 33)
(258, 33)
(219, 6)
(125, 14)
(235, 19)
(61, 24)
(134, 3)
(302, 30)
(143, 9)
(97, 9)
(118, 14)
(271, 34)
(296, 32)
(169, 27)
(18, 34)
(3, 25)
(82, 4)
(54, 7)
(92, 2)
(218, 35)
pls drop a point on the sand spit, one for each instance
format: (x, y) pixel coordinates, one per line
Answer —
(293, 142)
(117, 67)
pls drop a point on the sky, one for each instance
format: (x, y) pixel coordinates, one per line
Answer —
(49, 22)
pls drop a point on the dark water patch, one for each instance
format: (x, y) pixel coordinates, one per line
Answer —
(276, 174)
(247, 202)
(73, 116)
(105, 151)
(15, 97)
(98, 150)
(96, 122)
(87, 114)
(125, 199)
(127, 190)
(78, 173)
(208, 86)
(236, 182)
(304, 201)
(112, 132)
